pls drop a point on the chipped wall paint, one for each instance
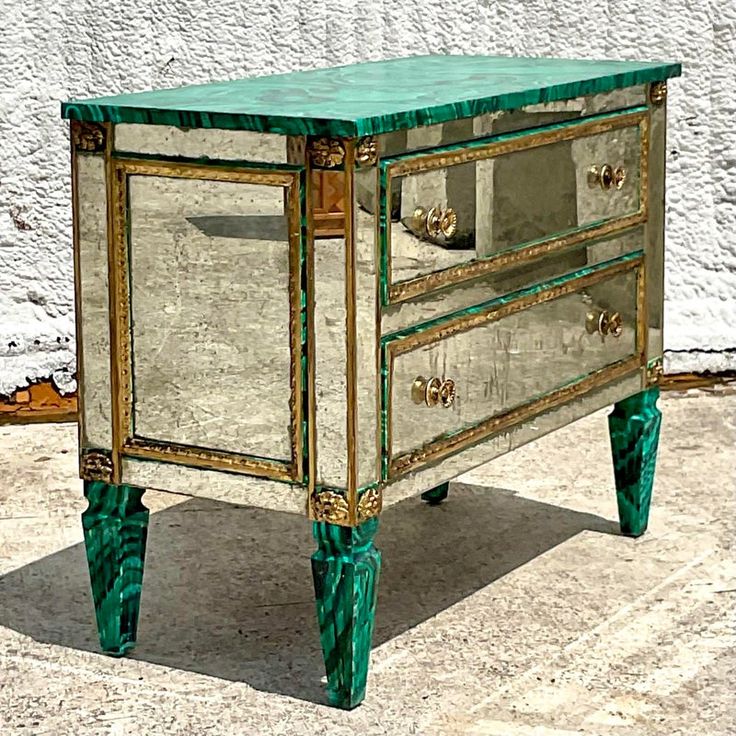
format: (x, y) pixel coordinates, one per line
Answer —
(50, 52)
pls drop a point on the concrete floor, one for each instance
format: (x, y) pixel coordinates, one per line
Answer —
(514, 609)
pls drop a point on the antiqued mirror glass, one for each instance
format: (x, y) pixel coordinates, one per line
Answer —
(498, 365)
(94, 367)
(209, 285)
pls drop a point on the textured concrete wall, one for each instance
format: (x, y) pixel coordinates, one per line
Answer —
(51, 51)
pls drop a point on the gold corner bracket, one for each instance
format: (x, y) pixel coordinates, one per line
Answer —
(366, 151)
(655, 372)
(369, 504)
(326, 153)
(96, 465)
(333, 507)
(88, 137)
(658, 93)
(329, 506)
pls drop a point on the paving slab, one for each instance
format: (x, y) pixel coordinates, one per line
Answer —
(513, 609)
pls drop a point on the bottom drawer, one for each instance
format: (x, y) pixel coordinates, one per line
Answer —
(459, 379)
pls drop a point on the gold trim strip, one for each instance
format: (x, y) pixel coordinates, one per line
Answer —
(117, 292)
(76, 252)
(378, 318)
(641, 311)
(411, 288)
(311, 358)
(295, 329)
(125, 443)
(440, 449)
(201, 457)
(211, 172)
(351, 332)
(436, 449)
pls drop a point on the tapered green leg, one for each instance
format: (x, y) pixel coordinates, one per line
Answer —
(634, 427)
(115, 526)
(436, 496)
(345, 569)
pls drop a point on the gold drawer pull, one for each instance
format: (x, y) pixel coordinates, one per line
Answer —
(433, 391)
(606, 176)
(604, 323)
(434, 222)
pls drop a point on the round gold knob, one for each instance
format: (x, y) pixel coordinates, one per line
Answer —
(433, 391)
(434, 222)
(604, 323)
(606, 176)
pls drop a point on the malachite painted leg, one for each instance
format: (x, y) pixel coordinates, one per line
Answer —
(634, 427)
(345, 569)
(436, 496)
(115, 526)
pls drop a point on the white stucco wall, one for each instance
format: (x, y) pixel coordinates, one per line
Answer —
(79, 48)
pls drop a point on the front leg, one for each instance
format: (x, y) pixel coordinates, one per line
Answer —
(634, 428)
(345, 568)
(115, 528)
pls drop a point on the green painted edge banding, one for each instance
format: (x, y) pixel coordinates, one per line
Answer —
(512, 296)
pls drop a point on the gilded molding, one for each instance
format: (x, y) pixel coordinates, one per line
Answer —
(326, 153)
(330, 507)
(201, 457)
(366, 151)
(88, 137)
(369, 504)
(658, 93)
(96, 465)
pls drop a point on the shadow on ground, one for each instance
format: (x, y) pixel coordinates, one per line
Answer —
(228, 590)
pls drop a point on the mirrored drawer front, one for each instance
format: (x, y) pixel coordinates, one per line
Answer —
(459, 212)
(457, 380)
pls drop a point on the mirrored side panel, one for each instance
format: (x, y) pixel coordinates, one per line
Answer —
(368, 334)
(215, 323)
(90, 212)
(330, 349)
(198, 143)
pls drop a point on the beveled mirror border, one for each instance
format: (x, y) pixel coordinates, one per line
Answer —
(124, 441)
(481, 149)
(397, 344)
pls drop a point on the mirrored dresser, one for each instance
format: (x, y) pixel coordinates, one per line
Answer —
(327, 291)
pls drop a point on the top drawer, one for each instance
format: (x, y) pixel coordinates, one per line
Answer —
(461, 211)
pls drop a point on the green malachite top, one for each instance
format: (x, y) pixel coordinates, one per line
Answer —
(373, 97)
